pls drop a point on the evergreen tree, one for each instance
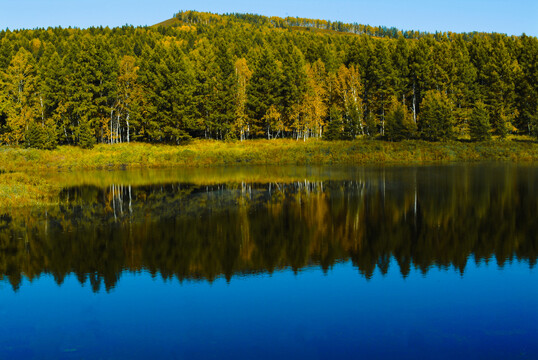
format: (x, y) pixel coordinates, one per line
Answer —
(500, 74)
(263, 90)
(420, 64)
(527, 84)
(534, 124)
(371, 124)
(436, 118)
(479, 127)
(86, 139)
(207, 74)
(379, 81)
(334, 129)
(294, 80)
(399, 122)
(35, 136)
(51, 137)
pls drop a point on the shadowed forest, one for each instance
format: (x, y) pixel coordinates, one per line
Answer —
(241, 76)
(421, 217)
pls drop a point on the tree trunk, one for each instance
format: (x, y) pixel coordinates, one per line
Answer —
(111, 121)
(414, 104)
(127, 121)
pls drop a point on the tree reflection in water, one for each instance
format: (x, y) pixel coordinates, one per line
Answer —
(421, 217)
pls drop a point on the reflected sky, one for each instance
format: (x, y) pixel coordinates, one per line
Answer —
(489, 313)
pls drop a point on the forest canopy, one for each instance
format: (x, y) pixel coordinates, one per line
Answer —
(242, 76)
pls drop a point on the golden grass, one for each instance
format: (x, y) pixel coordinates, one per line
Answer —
(206, 153)
(33, 177)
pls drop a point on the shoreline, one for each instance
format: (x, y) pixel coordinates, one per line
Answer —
(30, 177)
(208, 153)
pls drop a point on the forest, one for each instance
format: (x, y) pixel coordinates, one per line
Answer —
(241, 76)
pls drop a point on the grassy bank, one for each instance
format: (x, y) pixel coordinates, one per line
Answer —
(264, 152)
(34, 177)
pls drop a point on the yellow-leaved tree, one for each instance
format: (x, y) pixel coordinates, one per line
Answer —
(22, 105)
(314, 102)
(243, 75)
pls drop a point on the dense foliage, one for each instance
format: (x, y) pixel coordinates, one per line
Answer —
(244, 76)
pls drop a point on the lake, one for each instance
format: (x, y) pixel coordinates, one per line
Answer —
(263, 263)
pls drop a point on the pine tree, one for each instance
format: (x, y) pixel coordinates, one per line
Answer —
(294, 80)
(436, 117)
(479, 126)
(334, 129)
(420, 64)
(35, 136)
(500, 74)
(263, 90)
(379, 81)
(534, 124)
(399, 122)
(86, 139)
(51, 137)
(527, 84)
(207, 73)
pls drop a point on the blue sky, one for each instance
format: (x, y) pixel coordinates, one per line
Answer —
(506, 16)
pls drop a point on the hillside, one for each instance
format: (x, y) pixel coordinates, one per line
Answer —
(292, 23)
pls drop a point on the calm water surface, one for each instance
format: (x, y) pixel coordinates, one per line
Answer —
(319, 263)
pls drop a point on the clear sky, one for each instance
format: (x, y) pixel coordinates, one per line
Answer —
(513, 17)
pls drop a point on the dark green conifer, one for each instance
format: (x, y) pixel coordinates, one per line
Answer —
(436, 117)
(479, 126)
(86, 139)
(35, 136)
(534, 124)
(399, 122)
(334, 129)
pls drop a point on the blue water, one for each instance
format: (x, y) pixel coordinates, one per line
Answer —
(433, 262)
(486, 313)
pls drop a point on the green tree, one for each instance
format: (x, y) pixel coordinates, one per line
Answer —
(479, 126)
(263, 90)
(534, 124)
(399, 122)
(35, 136)
(207, 75)
(527, 84)
(501, 72)
(86, 139)
(335, 127)
(436, 117)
